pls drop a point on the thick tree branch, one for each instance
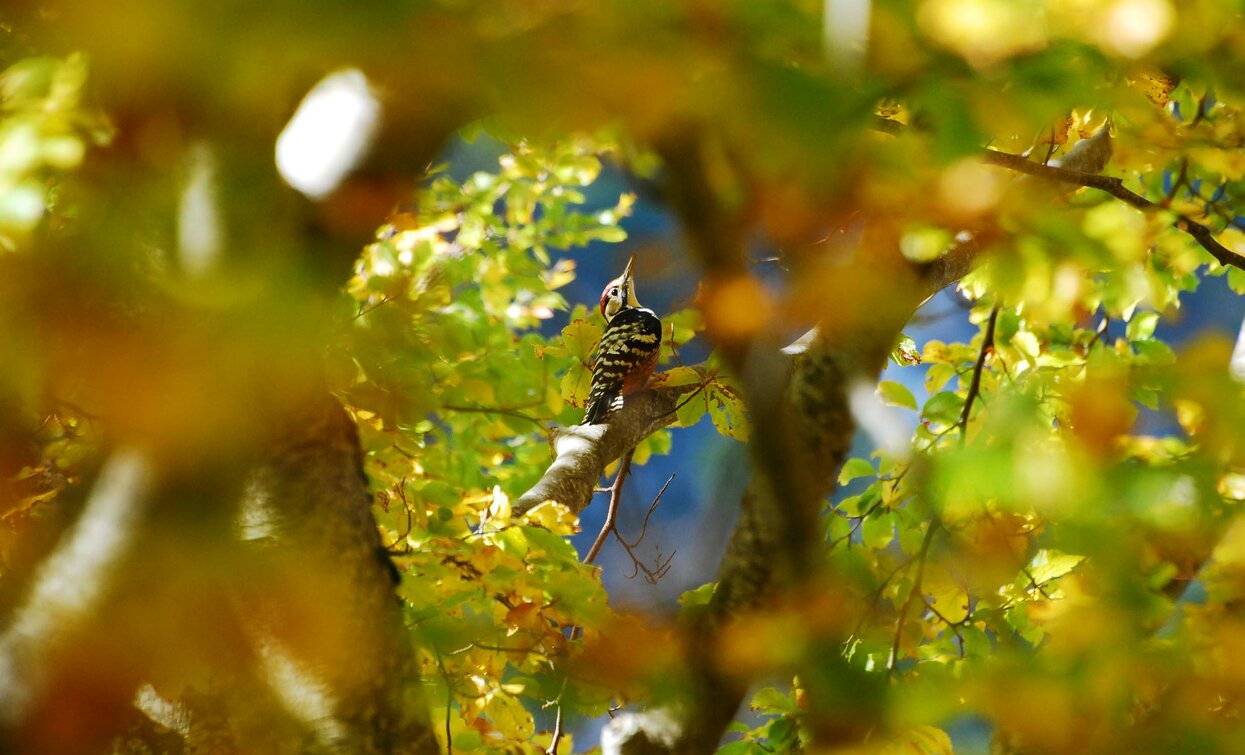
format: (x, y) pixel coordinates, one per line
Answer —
(583, 451)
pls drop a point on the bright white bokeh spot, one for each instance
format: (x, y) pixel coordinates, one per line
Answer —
(198, 220)
(845, 31)
(888, 427)
(329, 133)
(1135, 26)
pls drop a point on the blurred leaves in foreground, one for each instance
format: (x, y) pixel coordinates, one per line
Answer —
(1052, 560)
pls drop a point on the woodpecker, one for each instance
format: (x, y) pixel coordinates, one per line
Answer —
(628, 350)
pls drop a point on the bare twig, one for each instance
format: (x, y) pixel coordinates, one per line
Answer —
(557, 731)
(1101, 333)
(449, 703)
(655, 573)
(393, 548)
(611, 516)
(505, 411)
(974, 388)
(365, 310)
(1181, 180)
(1201, 108)
(648, 515)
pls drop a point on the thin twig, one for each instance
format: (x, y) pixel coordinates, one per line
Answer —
(974, 387)
(611, 515)
(1100, 334)
(921, 557)
(364, 310)
(449, 703)
(1181, 181)
(654, 574)
(505, 411)
(557, 730)
(393, 548)
(1201, 108)
(1050, 147)
(651, 508)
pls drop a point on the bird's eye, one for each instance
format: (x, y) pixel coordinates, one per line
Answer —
(614, 291)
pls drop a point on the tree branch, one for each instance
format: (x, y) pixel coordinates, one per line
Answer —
(1115, 187)
(583, 451)
(974, 388)
(1112, 185)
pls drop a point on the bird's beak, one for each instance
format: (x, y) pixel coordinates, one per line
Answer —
(628, 292)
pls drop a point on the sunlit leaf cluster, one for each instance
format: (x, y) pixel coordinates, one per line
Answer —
(45, 130)
(456, 372)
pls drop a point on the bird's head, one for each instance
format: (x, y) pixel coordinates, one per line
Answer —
(619, 293)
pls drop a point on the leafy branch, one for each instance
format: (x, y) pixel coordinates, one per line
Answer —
(1112, 185)
(921, 557)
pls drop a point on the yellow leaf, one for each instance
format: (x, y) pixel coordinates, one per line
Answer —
(726, 409)
(553, 516)
(1157, 87)
(576, 384)
(951, 602)
(479, 391)
(674, 378)
(562, 273)
(580, 338)
(925, 740)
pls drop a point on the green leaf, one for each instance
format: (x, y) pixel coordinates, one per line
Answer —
(691, 408)
(774, 701)
(896, 394)
(976, 642)
(1027, 344)
(1236, 280)
(1051, 564)
(938, 376)
(878, 531)
(782, 733)
(658, 443)
(468, 741)
(944, 408)
(854, 468)
(694, 601)
(1154, 352)
(514, 540)
(1141, 327)
(678, 377)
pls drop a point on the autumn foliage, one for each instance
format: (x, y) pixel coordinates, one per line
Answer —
(960, 277)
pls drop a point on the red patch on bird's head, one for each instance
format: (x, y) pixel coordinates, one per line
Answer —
(612, 290)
